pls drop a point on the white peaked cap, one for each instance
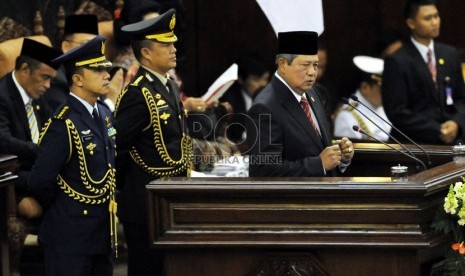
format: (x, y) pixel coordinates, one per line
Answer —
(369, 65)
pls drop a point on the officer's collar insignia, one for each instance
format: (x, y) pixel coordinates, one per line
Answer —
(157, 96)
(86, 132)
(90, 147)
(313, 100)
(161, 102)
(107, 120)
(37, 107)
(147, 75)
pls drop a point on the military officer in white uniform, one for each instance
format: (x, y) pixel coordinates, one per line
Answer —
(369, 93)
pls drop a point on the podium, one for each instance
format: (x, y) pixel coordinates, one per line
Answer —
(300, 226)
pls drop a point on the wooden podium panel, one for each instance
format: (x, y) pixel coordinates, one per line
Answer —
(315, 226)
(375, 159)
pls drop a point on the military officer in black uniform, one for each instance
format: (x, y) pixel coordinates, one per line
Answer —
(74, 175)
(152, 136)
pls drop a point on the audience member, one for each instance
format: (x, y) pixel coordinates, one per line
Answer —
(23, 112)
(253, 76)
(79, 29)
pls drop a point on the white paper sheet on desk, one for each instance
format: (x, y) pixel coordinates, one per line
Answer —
(221, 84)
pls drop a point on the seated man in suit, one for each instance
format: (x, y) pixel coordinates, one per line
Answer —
(423, 88)
(288, 133)
(23, 112)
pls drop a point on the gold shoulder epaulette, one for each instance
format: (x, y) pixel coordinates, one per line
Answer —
(61, 115)
(136, 82)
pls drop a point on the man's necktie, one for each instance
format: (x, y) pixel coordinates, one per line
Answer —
(97, 120)
(306, 107)
(431, 64)
(31, 117)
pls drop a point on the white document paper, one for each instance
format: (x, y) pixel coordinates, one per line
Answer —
(221, 84)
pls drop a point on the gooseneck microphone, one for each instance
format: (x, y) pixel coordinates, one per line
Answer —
(346, 101)
(358, 129)
(355, 98)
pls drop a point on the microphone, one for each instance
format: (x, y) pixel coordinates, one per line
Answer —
(358, 129)
(355, 98)
(346, 101)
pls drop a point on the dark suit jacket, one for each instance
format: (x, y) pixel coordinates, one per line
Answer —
(236, 120)
(410, 99)
(71, 225)
(280, 137)
(15, 135)
(135, 131)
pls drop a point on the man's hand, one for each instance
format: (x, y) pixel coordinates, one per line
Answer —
(194, 104)
(347, 150)
(449, 131)
(331, 157)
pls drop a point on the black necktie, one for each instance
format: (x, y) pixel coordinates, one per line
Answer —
(97, 120)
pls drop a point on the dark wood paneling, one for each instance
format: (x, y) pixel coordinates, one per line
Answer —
(331, 226)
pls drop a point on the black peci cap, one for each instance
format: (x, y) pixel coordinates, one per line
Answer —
(89, 55)
(81, 23)
(40, 52)
(298, 43)
(160, 28)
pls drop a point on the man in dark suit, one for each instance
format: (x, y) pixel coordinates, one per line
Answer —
(423, 88)
(253, 76)
(23, 110)
(152, 135)
(288, 134)
(74, 175)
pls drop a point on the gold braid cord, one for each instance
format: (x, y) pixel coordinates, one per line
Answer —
(357, 117)
(174, 167)
(100, 191)
(360, 121)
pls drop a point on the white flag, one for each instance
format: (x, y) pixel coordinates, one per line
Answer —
(294, 15)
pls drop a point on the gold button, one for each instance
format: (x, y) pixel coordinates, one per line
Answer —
(85, 212)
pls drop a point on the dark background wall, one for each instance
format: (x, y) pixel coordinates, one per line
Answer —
(214, 33)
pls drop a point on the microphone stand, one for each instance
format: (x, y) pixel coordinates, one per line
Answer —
(346, 101)
(358, 129)
(355, 98)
